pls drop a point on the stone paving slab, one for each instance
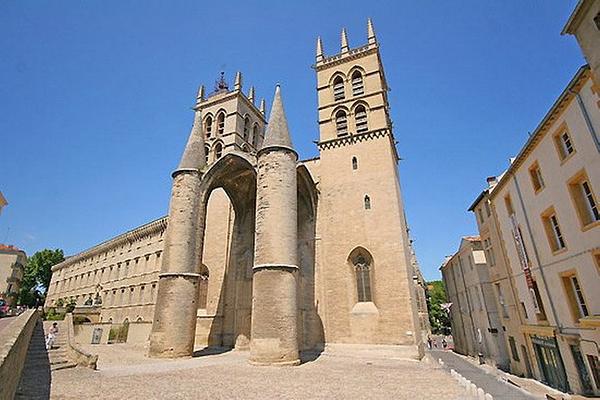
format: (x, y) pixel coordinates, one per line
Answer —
(126, 373)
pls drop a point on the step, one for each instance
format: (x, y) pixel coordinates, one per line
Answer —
(62, 366)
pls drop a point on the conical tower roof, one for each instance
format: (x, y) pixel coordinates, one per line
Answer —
(277, 134)
(193, 156)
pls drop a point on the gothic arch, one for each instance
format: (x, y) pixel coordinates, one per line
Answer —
(361, 263)
(335, 75)
(220, 117)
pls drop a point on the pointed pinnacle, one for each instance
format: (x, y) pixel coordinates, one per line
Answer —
(344, 41)
(277, 134)
(263, 106)
(371, 32)
(238, 81)
(251, 94)
(193, 155)
(200, 96)
(320, 55)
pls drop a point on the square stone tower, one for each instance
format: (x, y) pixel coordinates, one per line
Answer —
(367, 288)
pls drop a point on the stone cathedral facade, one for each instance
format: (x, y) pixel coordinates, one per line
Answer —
(264, 251)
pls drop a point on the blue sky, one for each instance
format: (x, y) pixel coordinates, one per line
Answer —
(95, 100)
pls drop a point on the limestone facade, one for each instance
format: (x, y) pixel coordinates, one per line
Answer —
(476, 328)
(331, 230)
(584, 23)
(12, 265)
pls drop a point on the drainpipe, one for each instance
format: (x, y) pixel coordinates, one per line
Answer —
(586, 117)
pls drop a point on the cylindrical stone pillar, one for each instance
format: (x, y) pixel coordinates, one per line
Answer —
(174, 325)
(274, 335)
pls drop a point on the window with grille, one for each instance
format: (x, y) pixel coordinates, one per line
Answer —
(367, 202)
(338, 88)
(564, 145)
(363, 279)
(208, 126)
(341, 123)
(354, 163)
(361, 119)
(221, 123)
(357, 84)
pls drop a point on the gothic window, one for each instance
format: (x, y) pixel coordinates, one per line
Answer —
(363, 278)
(367, 202)
(255, 135)
(218, 150)
(354, 163)
(208, 126)
(246, 128)
(360, 114)
(358, 87)
(341, 123)
(338, 88)
(221, 123)
(203, 287)
(206, 153)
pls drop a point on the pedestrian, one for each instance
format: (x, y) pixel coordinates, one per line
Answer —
(444, 343)
(51, 336)
(429, 342)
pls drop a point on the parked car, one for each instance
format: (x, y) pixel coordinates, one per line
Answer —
(4, 308)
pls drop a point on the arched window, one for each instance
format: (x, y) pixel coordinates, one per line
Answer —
(203, 287)
(220, 123)
(255, 135)
(206, 153)
(246, 128)
(360, 115)
(358, 87)
(208, 124)
(361, 262)
(367, 202)
(341, 123)
(354, 163)
(338, 88)
(218, 150)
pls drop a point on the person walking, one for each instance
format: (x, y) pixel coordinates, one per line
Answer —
(51, 336)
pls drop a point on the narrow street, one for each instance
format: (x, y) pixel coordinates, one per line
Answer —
(490, 383)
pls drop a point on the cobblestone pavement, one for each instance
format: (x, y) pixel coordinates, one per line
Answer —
(490, 383)
(124, 373)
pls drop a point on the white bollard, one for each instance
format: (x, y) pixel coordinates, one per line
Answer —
(488, 397)
(452, 372)
(480, 394)
(473, 390)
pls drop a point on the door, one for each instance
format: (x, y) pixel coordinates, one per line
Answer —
(550, 363)
(584, 376)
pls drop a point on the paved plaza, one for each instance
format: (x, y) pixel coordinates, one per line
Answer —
(343, 373)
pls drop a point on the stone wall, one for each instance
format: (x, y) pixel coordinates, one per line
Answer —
(14, 343)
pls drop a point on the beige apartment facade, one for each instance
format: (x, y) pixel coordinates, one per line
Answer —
(476, 329)
(584, 24)
(546, 214)
(12, 265)
(341, 268)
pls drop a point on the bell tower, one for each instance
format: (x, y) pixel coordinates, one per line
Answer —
(230, 118)
(362, 235)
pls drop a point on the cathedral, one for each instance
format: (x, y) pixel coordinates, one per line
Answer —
(260, 250)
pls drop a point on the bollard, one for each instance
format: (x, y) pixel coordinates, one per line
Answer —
(453, 372)
(480, 394)
(488, 397)
(473, 390)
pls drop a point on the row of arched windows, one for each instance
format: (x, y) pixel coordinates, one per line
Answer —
(209, 124)
(214, 127)
(357, 85)
(360, 120)
(216, 152)
(250, 135)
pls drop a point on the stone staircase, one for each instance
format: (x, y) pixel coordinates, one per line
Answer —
(39, 364)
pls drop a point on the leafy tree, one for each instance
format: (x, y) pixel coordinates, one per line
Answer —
(438, 317)
(37, 274)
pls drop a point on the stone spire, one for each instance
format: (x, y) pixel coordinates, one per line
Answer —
(371, 32)
(277, 134)
(251, 94)
(320, 54)
(238, 81)
(193, 156)
(345, 47)
(263, 106)
(200, 96)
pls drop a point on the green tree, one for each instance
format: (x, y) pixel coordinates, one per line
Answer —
(438, 317)
(37, 274)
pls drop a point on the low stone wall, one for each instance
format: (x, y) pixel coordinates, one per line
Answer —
(138, 333)
(14, 343)
(76, 353)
